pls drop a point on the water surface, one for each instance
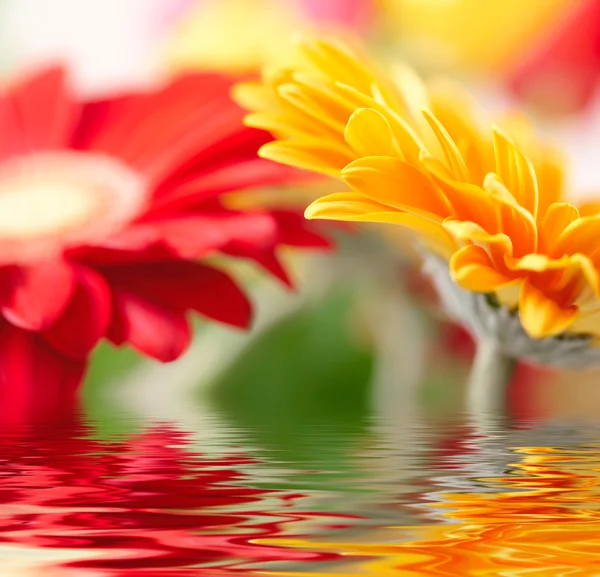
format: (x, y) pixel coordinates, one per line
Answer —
(408, 497)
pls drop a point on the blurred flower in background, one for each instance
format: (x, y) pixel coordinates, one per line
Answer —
(560, 71)
(242, 35)
(468, 34)
(545, 52)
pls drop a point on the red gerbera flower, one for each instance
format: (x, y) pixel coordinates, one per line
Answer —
(105, 209)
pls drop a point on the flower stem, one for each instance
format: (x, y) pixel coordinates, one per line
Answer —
(489, 379)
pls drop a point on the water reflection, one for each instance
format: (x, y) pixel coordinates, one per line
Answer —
(131, 506)
(409, 497)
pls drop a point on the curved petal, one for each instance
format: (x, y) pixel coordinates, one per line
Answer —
(369, 133)
(317, 155)
(182, 285)
(541, 316)
(38, 113)
(469, 202)
(558, 217)
(516, 172)
(86, 319)
(517, 222)
(295, 230)
(206, 184)
(458, 168)
(397, 184)
(354, 207)
(580, 236)
(535, 263)
(195, 236)
(499, 243)
(188, 126)
(472, 268)
(154, 330)
(38, 294)
(36, 382)
(292, 230)
(345, 206)
(265, 257)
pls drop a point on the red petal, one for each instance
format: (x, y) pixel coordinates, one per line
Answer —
(184, 285)
(292, 230)
(184, 236)
(85, 320)
(233, 176)
(38, 113)
(195, 236)
(152, 329)
(295, 230)
(38, 294)
(36, 382)
(265, 257)
(158, 132)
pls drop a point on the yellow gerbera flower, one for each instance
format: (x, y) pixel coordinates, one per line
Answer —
(488, 201)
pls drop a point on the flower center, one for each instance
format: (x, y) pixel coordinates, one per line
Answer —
(55, 200)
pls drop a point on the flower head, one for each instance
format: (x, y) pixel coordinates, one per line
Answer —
(487, 201)
(106, 208)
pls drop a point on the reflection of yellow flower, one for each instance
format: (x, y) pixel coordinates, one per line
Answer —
(542, 519)
(490, 203)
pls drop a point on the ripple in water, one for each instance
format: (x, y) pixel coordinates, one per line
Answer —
(413, 498)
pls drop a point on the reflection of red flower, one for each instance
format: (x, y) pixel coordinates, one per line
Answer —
(106, 206)
(134, 507)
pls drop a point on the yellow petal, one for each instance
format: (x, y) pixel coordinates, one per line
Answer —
(344, 206)
(472, 232)
(455, 109)
(325, 90)
(369, 133)
(541, 316)
(252, 95)
(458, 168)
(336, 61)
(558, 217)
(469, 202)
(549, 167)
(516, 172)
(532, 263)
(395, 183)
(316, 155)
(589, 271)
(580, 236)
(314, 108)
(276, 124)
(517, 222)
(472, 268)
(355, 207)
(407, 139)
(571, 279)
